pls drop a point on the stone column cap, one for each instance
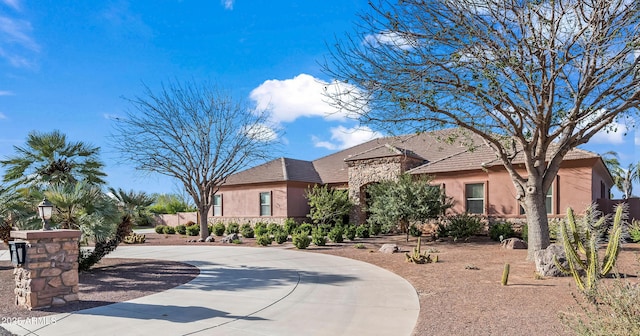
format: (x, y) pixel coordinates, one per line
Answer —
(40, 234)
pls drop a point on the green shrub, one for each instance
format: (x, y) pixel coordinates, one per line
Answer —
(615, 312)
(336, 234)
(501, 229)
(525, 233)
(554, 228)
(181, 229)
(159, 229)
(246, 230)
(260, 228)
(305, 229)
(301, 241)
(460, 226)
(272, 228)
(193, 230)
(359, 246)
(318, 238)
(168, 230)
(414, 231)
(374, 229)
(362, 231)
(350, 232)
(634, 231)
(281, 236)
(233, 228)
(264, 240)
(218, 229)
(290, 226)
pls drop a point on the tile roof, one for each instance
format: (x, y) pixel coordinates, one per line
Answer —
(442, 151)
(278, 170)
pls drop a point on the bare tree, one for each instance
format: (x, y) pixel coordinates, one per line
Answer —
(195, 133)
(532, 79)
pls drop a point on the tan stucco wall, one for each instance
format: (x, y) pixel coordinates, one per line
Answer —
(244, 200)
(241, 203)
(575, 186)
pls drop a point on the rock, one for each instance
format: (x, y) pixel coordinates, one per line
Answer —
(389, 248)
(200, 240)
(230, 238)
(514, 244)
(58, 302)
(545, 266)
(210, 239)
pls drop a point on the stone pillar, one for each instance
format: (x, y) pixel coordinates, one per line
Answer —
(49, 276)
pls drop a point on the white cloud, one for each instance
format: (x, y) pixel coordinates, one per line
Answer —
(6, 93)
(389, 38)
(2, 116)
(261, 132)
(15, 4)
(614, 136)
(16, 43)
(228, 4)
(301, 96)
(342, 137)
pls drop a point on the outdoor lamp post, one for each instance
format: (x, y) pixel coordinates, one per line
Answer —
(45, 209)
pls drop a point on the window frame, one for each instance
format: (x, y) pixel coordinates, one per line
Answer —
(467, 198)
(269, 204)
(217, 206)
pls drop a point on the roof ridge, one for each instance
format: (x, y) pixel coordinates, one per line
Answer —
(285, 175)
(442, 159)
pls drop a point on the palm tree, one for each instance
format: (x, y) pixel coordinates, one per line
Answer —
(136, 204)
(16, 210)
(48, 158)
(622, 178)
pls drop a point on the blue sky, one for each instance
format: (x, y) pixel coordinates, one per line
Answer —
(67, 65)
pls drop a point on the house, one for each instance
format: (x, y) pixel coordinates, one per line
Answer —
(467, 170)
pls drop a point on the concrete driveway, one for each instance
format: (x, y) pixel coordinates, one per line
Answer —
(252, 291)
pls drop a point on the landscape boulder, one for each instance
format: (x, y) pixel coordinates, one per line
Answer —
(230, 238)
(389, 248)
(545, 266)
(514, 244)
(210, 239)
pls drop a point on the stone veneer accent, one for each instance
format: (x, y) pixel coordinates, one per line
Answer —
(49, 276)
(366, 171)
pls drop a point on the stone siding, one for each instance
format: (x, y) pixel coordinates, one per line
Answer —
(49, 276)
(367, 171)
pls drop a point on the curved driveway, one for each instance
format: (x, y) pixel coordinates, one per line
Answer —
(253, 291)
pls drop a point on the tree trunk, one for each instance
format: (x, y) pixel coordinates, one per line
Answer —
(203, 221)
(537, 222)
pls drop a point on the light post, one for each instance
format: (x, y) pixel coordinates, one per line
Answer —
(45, 209)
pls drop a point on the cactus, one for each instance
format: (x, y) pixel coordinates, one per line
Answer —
(417, 257)
(581, 248)
(134, 238)
(505, 274)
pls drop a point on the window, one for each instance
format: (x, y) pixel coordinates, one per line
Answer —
(548, 200)
(474, 194)
(217, 205)
(265, 204)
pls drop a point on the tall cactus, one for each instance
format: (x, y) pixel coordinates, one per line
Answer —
(581, 248)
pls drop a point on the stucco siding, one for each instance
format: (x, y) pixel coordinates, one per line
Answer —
(297, 204)
(244, 200)
(573, 187)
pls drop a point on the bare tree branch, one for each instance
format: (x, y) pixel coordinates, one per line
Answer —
(196, 134)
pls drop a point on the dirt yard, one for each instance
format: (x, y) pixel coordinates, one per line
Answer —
(459, 295)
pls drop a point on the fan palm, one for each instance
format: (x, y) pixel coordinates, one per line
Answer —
(622, 178)
(48, 158)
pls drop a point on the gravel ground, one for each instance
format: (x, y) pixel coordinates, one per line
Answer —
(459, 295)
